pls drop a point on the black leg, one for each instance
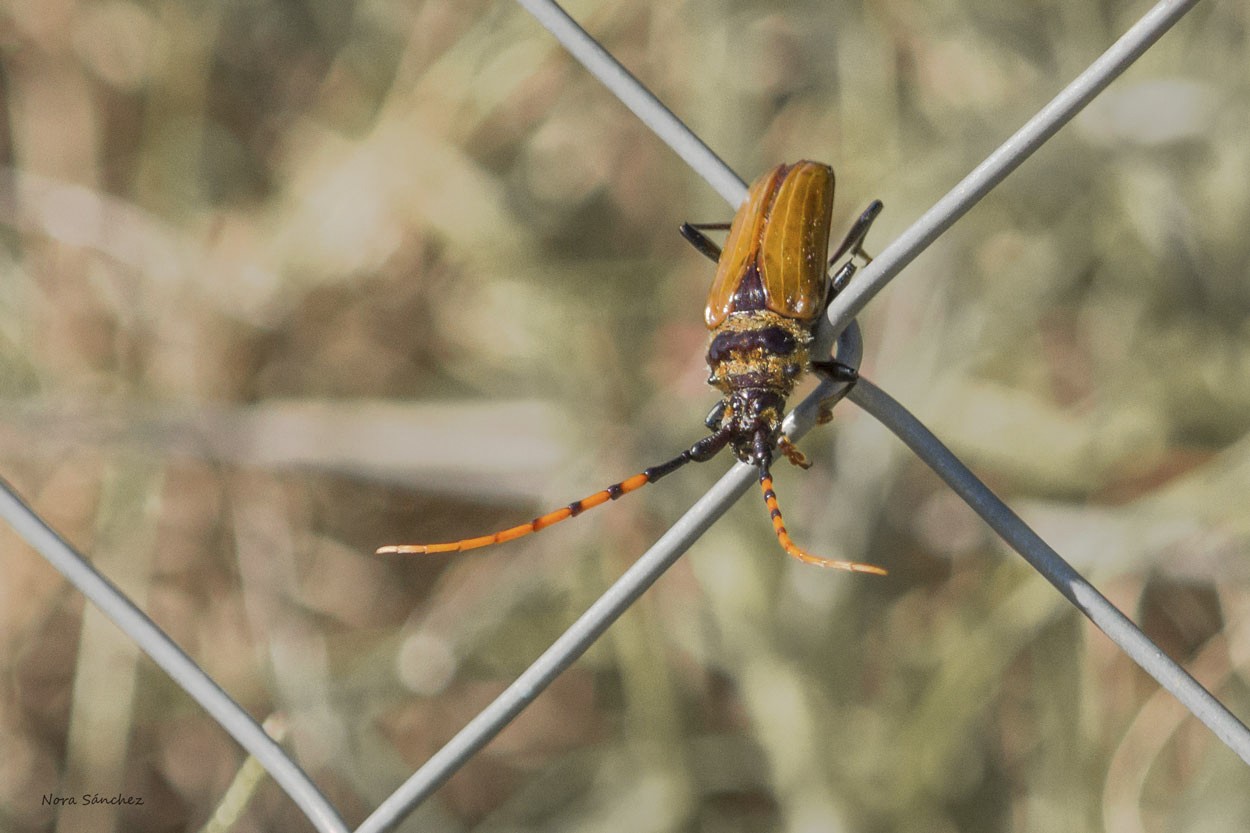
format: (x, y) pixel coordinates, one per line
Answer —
(836, 371)
(693, 232)
(841, 278)
(716, 416)
(854, 240)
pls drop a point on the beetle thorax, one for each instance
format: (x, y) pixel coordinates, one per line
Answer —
(758, 349)
(755, 358)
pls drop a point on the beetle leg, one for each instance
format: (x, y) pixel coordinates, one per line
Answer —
(716, 416)
(792, 453)
(693, 232)
(842, 277)
(834, 371)
(854, 240)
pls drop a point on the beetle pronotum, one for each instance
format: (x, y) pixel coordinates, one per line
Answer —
(772, 285)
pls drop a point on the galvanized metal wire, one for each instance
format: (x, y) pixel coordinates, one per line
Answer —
(171, 659)
(565, 650)
(1075, 588)
(589, 627)
(1006, 158)
(633, 94)
(700, 517)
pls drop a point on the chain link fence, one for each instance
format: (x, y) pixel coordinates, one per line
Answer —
(355, 710)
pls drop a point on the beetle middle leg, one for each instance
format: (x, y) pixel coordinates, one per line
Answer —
(834, 371)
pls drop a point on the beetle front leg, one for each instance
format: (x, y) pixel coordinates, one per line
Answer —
(792, 453)
(716, 417)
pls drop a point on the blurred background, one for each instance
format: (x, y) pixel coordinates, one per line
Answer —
(286, 281)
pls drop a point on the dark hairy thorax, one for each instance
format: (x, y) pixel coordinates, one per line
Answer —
(755, 357)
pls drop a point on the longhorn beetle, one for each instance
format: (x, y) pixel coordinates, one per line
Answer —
(772, 285)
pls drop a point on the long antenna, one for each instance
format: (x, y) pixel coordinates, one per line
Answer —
(787, 544)
(705, 449)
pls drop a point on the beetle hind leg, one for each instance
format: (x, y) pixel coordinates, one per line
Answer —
(853, 244)
(693, 232)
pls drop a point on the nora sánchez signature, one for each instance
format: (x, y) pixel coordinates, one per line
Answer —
(87, 799)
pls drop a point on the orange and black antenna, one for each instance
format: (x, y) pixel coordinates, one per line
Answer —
(787, 544)
(770, 288)
(704, 449)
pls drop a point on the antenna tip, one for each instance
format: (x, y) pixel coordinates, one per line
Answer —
(392, 549)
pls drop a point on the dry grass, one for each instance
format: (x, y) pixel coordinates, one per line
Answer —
(284, 282)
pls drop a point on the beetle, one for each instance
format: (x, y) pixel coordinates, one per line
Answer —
(771, 287)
